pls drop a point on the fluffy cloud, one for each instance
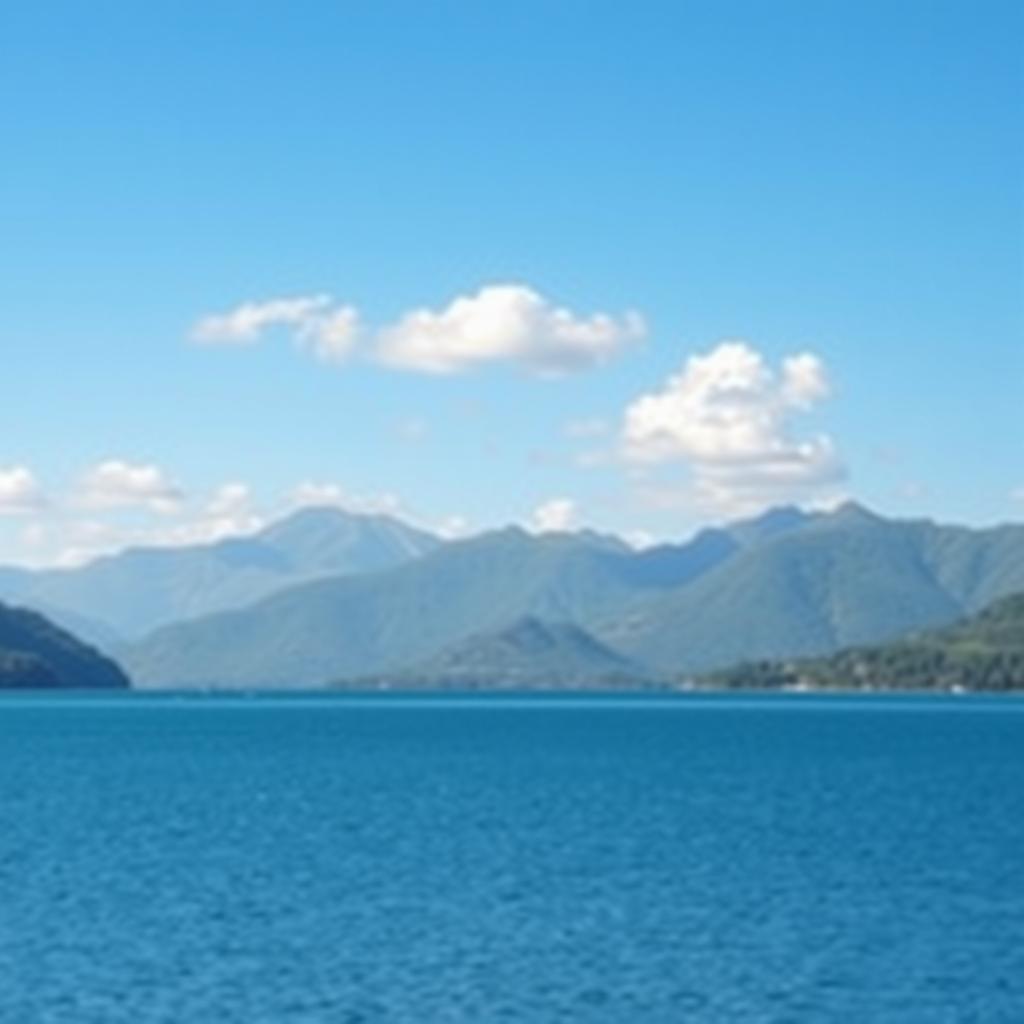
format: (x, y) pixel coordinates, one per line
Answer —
(505, 323)
(331, 336)
(317, 324)
(500, 323)
(20, 492)
(554, 516)
(727, 415)
(83, 540)
(230, 499)
(229, 512)
(246, 323)
(116, 484)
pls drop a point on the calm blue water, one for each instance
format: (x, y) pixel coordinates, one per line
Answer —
(361, 861)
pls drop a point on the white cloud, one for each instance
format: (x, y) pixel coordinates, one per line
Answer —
(555, 516)
(230, 499)
(247, 322)
(117, 484)
(20, 492)
(318, 325)
(85, 539)
(453, 528)
(1017, 494)
(311, 493)
(505, 323)
(332, 336)
(727, 415)
(227, 512)
(203, 530)
(804, 381)
(640, 539)
(500, 323)
(35, 535)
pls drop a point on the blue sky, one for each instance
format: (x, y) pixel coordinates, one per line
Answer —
(803, 224)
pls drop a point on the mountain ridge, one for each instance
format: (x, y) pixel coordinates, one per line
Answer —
(130, 593)
(557, 609)
(825, 581)
(845, 578)
(367, 624)
(527, 653)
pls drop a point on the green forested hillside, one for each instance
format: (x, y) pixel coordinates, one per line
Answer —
(843, 579)
(34, 653)
(369, 624)
(984, 652)
(526, 654)
(810, 587)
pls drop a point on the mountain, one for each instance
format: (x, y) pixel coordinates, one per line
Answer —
(677, 564)
(370, 624)
(983, 652)
(844, 578)
(528, 654)
(747, 533)
(34, 653)
(131, 593)
(785, 587)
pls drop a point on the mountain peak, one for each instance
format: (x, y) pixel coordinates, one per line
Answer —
(527, 653)
(331, 538)
(769, 523)
(853, 512)
(142, 589)
(309, 517)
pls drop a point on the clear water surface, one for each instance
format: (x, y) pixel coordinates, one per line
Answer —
(283, 860)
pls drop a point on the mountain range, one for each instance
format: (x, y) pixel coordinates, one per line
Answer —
(844, 578)
(373, 623)
(326, 597)
(123, 596)
(786, 584)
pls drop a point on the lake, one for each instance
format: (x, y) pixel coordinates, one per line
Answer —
(444, 859)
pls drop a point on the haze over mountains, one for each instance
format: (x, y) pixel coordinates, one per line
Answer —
(373, 623)
(783, 585)
(123, 596)
(325, 596)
